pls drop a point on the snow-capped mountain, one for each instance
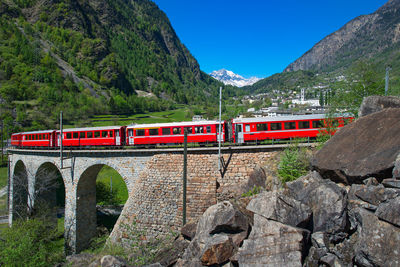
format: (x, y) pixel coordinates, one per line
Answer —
(228, 77)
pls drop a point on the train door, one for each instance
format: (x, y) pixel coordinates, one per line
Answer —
(239, 133)
(117, 138)
(220, 137)
(58, 139)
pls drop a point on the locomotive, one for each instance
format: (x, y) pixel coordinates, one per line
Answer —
(237, 131)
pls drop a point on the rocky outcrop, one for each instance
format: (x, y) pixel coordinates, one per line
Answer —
(368, 147)
(372, 104)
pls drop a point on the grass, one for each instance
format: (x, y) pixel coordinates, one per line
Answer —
(154, 117)
(3, 177)
(106, 174)
(3, 205)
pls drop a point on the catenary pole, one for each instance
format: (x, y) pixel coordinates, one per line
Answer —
(184, 176)
(387, 80)
(61, 139)
(219, 130)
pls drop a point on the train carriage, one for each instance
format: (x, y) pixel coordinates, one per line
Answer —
(34, 139)
(93, 136)
(285, 127)
(173, 133)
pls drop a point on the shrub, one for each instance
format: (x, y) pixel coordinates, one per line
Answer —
(105, 196)
(252, 192)
(293, 163)
(32, 242)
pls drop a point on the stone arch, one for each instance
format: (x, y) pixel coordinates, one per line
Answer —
(86, 216)
(49, 189)
(20, 188)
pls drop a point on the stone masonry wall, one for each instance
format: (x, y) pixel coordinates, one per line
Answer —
(156, 200)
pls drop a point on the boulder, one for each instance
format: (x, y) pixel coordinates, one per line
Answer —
(188, 231)
(220, 230)
(375, 195)
(391, 183)
(390, 211)
(326, 199)
(372, 104)
(170, 255)
(111, 261)
(364, 148)
(396, 169)
(272, 243)
(378, 241)
(218, 249)
(282, 208)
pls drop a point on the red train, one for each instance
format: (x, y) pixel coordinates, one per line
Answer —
(237, 131)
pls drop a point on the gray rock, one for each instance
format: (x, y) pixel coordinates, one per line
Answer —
(169, 255)
(157, 264)
(82, 259)
(279, 207)
(371, 181)
(396, 169)
(319, 240)
(219, 223)
(331, 260)
(390, 211)
(314, 256)
(111, 261)
(189, 230)
(217, 250)
(391, 183)
(326, 199)
(375, 195)
(377, 242)
(364, 148)
(372, 104)
(272, 243)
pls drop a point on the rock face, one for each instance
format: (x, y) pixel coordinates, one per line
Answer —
(379, 30)
(272, 243)
(367, 147)
(372, 104)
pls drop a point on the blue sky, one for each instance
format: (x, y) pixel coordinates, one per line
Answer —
(257, 37)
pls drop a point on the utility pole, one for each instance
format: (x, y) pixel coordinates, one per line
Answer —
(61, 139)
(2, 142)
(219, 128)
(184, 176)
(388, 68)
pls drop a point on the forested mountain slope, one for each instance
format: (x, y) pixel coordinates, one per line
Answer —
(90, 57)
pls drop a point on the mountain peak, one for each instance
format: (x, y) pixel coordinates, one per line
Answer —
(230, 78)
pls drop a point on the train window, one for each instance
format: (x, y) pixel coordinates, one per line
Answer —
(198, 129)
(208, 129)
(290, 125)
(96, 134)
(318, 124)
(130, 132)
(262, 127)
(111, 134)
(104, 134)
(189, 130)
(75, 135)
(247, 128)
(82, 135)
(40, 137)
(166, 131)
(153, 131)
(176, 130)
(69, 136)
(276, 126)
(140, 132)
(304, 124)
(89, 134)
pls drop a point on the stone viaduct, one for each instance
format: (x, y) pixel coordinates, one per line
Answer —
(153, 178)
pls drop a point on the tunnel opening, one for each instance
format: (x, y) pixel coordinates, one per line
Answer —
(101, 196)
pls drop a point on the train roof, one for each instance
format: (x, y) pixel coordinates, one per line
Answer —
(37, 132)
(100, 128)
(171, 124)
(281, 118)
